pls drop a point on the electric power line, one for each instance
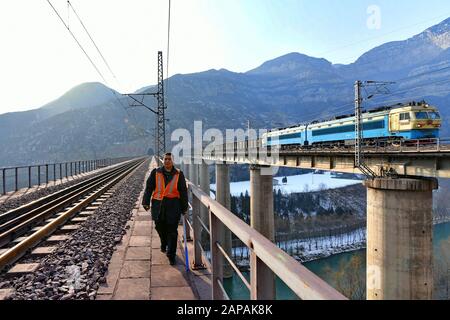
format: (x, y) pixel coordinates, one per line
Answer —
(348, 106)
(382, 35)
(90, 37)
(78, 43)
(168, 43)
(90, 59)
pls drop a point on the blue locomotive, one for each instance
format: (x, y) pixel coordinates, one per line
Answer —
(412, 121)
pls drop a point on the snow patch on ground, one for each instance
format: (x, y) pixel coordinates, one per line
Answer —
(296, 184)
(305, 250)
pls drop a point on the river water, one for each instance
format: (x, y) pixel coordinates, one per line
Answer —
(237, 290)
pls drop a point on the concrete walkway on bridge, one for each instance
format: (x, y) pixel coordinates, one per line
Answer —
(138, 269)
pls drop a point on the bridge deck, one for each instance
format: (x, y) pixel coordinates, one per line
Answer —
(419, 160)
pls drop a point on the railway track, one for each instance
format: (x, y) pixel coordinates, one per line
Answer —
(25, 228)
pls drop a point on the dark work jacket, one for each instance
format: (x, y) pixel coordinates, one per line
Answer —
(170, 209)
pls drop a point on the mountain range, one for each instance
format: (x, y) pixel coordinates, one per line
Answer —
(93, 121)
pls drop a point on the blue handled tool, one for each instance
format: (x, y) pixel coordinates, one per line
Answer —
(186, 254)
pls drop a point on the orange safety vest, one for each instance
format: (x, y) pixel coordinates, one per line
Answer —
(170, 191)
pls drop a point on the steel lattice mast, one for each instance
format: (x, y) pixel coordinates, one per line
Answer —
(380, 88)
(160, 116)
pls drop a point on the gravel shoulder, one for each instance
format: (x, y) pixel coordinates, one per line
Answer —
(79, 265)
(26, 198)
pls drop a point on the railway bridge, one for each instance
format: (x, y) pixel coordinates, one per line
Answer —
(399, 204)
(86, 227)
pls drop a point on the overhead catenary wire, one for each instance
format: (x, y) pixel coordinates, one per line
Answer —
(78, 43)
(99, 52)
(91, 60)
(349, 106)
(93, 42)
(382, 35)
(168, 43)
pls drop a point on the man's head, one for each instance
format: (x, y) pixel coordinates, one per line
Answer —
(168, 161)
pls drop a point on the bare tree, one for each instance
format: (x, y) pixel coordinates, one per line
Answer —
(350, 278)
(441, 271)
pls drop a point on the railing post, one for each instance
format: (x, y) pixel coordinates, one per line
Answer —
(15, 179)
(204, 185)
(46, 174)
(60, 171)
(224, 198)
(187, 171)
(54, 172)
(4, 181)
(66, 170)
(188, 230)
(39, 175)
(216, 229)
(193, 173)
(262, 220)
(198, 262)
(29, 177)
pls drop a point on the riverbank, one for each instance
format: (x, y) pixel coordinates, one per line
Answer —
(308, 250)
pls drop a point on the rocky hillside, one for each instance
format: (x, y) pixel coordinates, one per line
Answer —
(90, 121)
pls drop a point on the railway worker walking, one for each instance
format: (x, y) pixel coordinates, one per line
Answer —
(166, 190)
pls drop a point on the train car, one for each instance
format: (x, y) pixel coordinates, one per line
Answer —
(413, 121)
(287, 136)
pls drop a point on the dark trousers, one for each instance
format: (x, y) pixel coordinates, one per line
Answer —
(168, 233)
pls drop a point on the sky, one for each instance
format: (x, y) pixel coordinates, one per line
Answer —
(40, 61)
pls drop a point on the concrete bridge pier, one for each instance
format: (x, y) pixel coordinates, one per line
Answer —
(399, 238)
(262, 220)
(224, 198)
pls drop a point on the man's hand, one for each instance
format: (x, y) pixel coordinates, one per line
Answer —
(146, 208)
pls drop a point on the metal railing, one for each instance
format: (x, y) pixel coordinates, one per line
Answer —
(264, 254)
(15, 178)
(431, 145)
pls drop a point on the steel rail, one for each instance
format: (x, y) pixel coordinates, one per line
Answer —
(21, 224)
(16, 252)
(47, 199)
(20, 214)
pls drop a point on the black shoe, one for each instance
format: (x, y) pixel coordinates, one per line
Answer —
(172, 261)
(164, 249)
